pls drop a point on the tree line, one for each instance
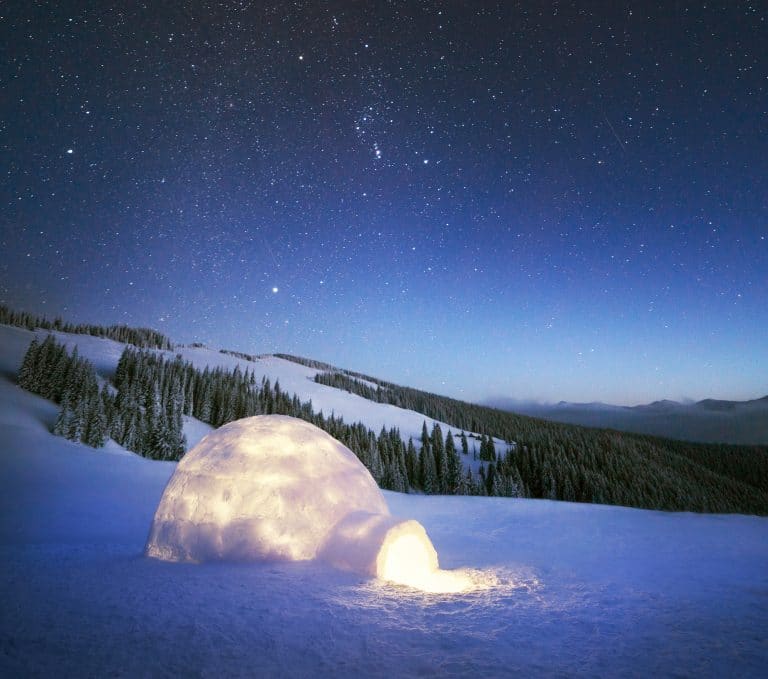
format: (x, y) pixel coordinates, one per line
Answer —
(143, 409)
(65, 378)
(140, 337)
(581, 464)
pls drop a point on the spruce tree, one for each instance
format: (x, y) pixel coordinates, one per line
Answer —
(64, 419)
(96, 424)
(438, 454)
(59, 375)
(453, 466)
(487, 449)
(424, 435)
(376, 469)
(79, 419)
(490, 479)
(427, 475)
(480, 486)
(412, 465)
(27, 370)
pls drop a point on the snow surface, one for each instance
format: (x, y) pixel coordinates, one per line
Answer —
(293, 378)
(194, 431)
(577, 590)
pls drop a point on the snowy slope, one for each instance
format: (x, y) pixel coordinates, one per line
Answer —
(299, 379)
(293, 378)
(584, 590)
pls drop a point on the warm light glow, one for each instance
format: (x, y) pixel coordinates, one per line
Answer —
(406, 559)
(274, 487)
(266, 487)
(411, 560)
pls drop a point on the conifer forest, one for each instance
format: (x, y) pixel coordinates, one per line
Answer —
(143, 405)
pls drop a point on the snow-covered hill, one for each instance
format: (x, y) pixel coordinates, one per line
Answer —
(294, 378)
(583, 590)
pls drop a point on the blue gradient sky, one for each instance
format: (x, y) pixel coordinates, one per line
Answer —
(479, 199)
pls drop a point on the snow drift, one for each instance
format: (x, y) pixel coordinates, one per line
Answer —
(275, 487)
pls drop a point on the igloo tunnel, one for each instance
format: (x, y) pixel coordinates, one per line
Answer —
(273, 487)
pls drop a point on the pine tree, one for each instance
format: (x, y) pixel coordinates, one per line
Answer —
(427, 475)
(490, 479)
(27, 370)
(78, 421)
(59, 375)
(438, 453)
(453, 466)
(424, 436)
(55, 354)
(412, 465)
(376, 469)
(67, 381)
(468, 485)
(464, 483)
(96, 422)
(481, 486)
(44, 363)
(487, 449)
(130, 433)
(64, 419)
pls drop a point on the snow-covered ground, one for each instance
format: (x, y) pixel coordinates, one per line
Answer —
(582, 589)
(294, 378)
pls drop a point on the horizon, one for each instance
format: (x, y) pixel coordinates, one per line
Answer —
(474, 201)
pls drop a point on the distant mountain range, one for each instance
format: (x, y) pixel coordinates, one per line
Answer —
(709, 421)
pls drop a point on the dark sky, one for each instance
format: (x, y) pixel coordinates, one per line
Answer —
(535, 200)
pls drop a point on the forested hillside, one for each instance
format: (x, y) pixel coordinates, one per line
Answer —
(142, 409)
(140, 337)
(568, 462)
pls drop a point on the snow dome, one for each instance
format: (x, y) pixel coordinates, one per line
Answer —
(275, 487)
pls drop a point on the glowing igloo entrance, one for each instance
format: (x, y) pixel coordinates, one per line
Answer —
(275, 487)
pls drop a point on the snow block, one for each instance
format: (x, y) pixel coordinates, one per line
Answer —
(275, 487)
(372, 543)
(264, 487)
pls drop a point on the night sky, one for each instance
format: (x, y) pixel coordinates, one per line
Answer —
(533, 200)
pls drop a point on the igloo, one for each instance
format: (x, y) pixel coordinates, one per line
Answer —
(273, 487)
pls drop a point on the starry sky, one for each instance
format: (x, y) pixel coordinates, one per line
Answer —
(560, 200)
